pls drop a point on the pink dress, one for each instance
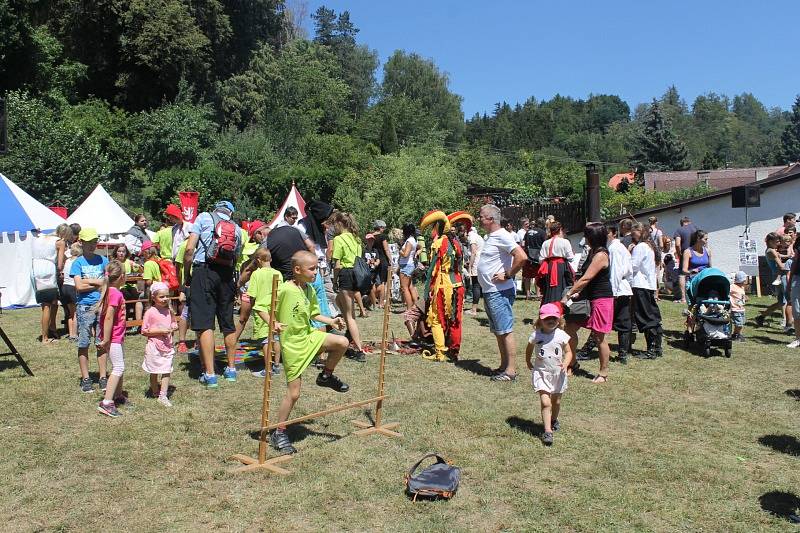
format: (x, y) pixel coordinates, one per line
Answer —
(159, 350)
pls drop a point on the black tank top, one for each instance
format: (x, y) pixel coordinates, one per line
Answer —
(600, 286)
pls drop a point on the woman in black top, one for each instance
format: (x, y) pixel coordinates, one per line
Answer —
(594, 285)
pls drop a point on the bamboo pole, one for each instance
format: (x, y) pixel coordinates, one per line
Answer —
(318, 414)
(262, 438)
(384, 341)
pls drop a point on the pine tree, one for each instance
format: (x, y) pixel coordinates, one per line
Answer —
(656, 146)
(790, 140)
(388, 139)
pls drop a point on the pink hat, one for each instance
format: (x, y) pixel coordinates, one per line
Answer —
(550, 310)
(147, 245)
(157, 287)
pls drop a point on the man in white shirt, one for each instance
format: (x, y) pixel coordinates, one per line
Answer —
(524, 224)
(621, 273)
(500, 259)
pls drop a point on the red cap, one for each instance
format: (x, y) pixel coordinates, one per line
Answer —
(173, 210)
(254, 227)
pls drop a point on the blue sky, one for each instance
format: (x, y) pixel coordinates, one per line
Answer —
(505, 50)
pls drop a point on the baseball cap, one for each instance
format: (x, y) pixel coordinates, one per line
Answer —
(174, 211)
(254, 227)
(147, 245)
(88, 234)
(379, 224)
(550, 310)
(740, 277)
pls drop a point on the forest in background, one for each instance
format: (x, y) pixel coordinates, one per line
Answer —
(234, 100)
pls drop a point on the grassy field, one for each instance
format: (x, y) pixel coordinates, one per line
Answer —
(684, 443)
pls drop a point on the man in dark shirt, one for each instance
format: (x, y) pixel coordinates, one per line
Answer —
(381, 247)
(683, 239)
(625, 235)
(283, 242)
(532, 243)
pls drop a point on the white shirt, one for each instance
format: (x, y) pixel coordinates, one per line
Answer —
(133, 244)
(643, 261)
(402, 261)
(519, 236)
(496, 257)
(548, 349)
(180, 232)
(621, 271)
(475, 239)
(561, 248)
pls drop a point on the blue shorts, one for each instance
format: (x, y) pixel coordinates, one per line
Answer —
(738, 318)
(408, 269)
(795, 296)
(88, 320)
(499, 310)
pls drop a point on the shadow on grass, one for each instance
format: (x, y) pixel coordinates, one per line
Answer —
(781, 443)
(6, 364)
(781, 504)
(793, 393)
(483, 322)
(530, 427)
(147, 394)
(763, 339)
(191, 365)
(475, 366)
(301, 431)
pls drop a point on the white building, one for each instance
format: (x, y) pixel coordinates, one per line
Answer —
(780, 193)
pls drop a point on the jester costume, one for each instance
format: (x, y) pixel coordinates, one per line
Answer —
(444, 285)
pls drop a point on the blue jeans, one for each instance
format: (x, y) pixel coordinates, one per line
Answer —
(499, 310)
(87, 318)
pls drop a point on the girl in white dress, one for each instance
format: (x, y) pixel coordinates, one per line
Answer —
(553, 355)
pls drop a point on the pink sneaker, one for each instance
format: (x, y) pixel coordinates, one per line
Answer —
(182, 348)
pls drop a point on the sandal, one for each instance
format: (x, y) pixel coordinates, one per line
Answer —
(597, 379)
(502, 376)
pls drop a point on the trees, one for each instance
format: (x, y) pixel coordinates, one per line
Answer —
(656, 146)
(790, 139)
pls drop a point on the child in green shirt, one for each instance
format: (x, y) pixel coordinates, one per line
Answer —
(259, 289)
(300, 342)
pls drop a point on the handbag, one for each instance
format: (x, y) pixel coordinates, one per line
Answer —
(362, 274)
(440, 480)
(577, 310)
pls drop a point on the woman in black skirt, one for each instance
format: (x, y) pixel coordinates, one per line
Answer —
(555, 273)
(645, 258)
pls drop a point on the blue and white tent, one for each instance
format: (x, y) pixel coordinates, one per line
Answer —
(20, 212)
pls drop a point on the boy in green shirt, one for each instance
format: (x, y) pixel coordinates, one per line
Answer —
(300, 342)
(259, 289)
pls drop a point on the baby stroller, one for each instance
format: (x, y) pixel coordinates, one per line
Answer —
(708, 319)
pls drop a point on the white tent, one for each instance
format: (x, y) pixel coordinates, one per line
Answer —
(101, 212)
(22, 212)
(293, 199)
(16, 256)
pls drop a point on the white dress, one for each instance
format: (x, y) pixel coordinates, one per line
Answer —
(547, 373)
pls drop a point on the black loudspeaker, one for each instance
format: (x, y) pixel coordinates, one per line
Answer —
(746, 196)
(3, 130)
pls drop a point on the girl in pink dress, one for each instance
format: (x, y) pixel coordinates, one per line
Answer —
(158, 325)
(112, 333)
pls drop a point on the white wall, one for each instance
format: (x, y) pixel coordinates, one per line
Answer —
(725, 224)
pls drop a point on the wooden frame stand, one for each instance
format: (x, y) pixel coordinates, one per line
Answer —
(252, 464)
(13, 351)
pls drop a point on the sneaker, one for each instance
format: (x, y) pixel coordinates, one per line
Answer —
(556, 425)
(760, 321)
(209, 381)
(103, 384)
(182, 348)
(86, 385)
(108, 409)
(547, 438)
(229, 374)
(280, 441)
(794, 344)
(622, 359)
(277, 368)
(355, 355)
(582, 356)
(261, 373)
(789, 330)
(163, 400)
(332, 382)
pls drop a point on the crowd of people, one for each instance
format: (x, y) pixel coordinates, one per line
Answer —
(192, 276)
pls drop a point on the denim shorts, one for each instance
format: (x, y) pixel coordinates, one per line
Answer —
(87, 317)
(499, 310)
(795, 297)
(408, 269)
(738, 318)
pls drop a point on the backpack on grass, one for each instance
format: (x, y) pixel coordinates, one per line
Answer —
(440, 480)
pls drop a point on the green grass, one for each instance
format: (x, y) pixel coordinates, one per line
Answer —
(667, 445)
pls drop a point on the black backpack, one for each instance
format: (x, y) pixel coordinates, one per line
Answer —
(440, 480)
(533, 244)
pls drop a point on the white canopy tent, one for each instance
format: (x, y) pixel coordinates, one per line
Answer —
(101, 212)
(293, 199)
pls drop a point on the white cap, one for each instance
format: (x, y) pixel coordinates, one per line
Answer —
(740, 277)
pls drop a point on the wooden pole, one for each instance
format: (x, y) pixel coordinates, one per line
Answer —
(326, 412)
(378, 426)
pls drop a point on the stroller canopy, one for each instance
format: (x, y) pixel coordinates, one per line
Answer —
(707, 281)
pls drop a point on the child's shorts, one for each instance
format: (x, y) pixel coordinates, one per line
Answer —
(87, 317)
(738, 318)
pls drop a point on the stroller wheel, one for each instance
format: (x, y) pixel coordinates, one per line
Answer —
(707, 351)
(727, 352)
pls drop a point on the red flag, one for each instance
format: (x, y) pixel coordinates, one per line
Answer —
(59, 210)
(189, 203)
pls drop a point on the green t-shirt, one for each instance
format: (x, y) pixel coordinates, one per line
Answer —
(128, 270)
(164, 240)
(259, 289)
(300, 342)
(179, 261)
(151, 271)
(345, 249)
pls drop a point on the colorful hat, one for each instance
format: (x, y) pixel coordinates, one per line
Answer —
(550, 310)
(461, 216)
(432, 217)
(147, 245)
(88, 234)
(173, 210)
(254, 227)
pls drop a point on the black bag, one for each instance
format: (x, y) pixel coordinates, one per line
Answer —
(440, 480)
(578, 311)
(363, 275)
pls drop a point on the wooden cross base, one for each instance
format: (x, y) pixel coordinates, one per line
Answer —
(251, 464)
(383, 429)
